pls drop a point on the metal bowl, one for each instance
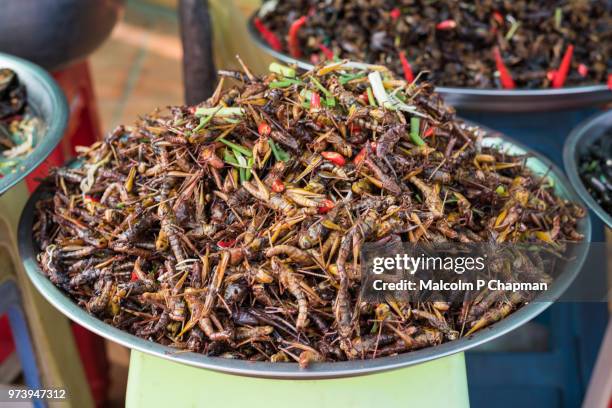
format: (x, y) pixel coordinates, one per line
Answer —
(56, 33)
(47, 102)
(540, 165)
(580, 138)
(487, 100)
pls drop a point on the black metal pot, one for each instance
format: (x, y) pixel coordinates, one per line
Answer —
(56, 33)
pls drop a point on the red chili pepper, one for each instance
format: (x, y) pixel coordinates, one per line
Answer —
(278, 186)
(395, 14)
(550, 75)
(329, 54)
(326, 206)
(133, 277)
(91, 198)
(226, 244)
(334, 157)
(268, 35)
(315, 101)
(583, 70)
(362, 153)
(610, 82)
(564, 67)
(293, 42)
(429, 132)
(354, 128)
(360, 156)
(504, 75)
(408, 74)
(363, 97)
(497, 16)
(264, 129)
(446, 25)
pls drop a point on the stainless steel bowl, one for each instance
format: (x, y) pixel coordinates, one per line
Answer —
(47, 102)
(538, 163)
(56, 33)
(580, 139)
(488, 100)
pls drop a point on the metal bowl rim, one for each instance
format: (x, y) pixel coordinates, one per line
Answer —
(291, 370)
(55, 124)
(570, 160)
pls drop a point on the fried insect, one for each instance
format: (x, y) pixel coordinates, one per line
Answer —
(234, 228)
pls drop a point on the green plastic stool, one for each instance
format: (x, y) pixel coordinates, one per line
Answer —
(155, 382)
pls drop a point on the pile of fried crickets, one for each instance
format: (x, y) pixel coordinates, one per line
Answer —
(233, 228)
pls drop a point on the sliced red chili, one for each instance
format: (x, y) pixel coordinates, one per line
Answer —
(583, 70)
(360, 156)
(267, 35)
(315, 101)
(504, 75)
(293, 41)
(610, 82)
(226, 244)
(497, 16)
(278, 186)
(134, 277)
(355, 128)
(334, 157)
(429, 132)
(395, 13)
(408, 74)
(446, 25)
(561, 75)
(362, 153)
(329, 54)
(264, 129)
(326, 206)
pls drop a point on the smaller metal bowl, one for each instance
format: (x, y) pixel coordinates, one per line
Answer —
(47, 102)
(486, 100)
(580, 138)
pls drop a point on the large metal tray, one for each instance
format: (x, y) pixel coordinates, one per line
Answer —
(581, 138)
(47, 101)
(488, 100)
(538, 163)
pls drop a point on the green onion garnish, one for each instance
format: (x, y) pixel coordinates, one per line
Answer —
(236, 147)
(415, 130)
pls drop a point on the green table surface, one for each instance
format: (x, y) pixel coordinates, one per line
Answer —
(155, 382)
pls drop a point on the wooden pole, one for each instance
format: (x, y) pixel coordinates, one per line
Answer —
(199, 74)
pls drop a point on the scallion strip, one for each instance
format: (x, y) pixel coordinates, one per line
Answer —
(321, 87)
(279, 154)
(220, 111)
(282, 70)
(236, 147)
(415, 129)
